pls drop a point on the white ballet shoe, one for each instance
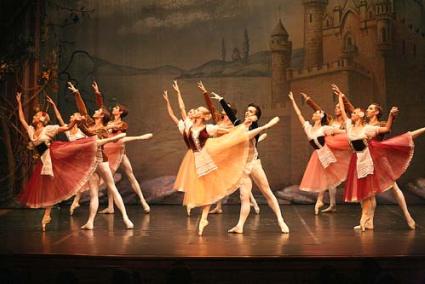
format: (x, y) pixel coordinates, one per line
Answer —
(44, 222)
(317, 207)
(256, 208)
(73, 207)
(128, 224)
(146, 208)
(188, 211)
(202, 225)
(216, 211)
(87, 226)
(411, 223)
(330, 209)
(107, 211)
(236, 230)
(283, 227)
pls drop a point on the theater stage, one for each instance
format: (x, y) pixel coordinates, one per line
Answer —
(165, 241)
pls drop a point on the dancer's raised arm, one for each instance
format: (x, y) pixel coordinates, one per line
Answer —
(96, 91)
(21, 111)
(214, 113)
(389, 123)
(296, 108)
(311, 102)
(340, 95)
(56, 110)
(349, 108)
(180, 99)
(82, 109)
(227, 109)
(169, 109)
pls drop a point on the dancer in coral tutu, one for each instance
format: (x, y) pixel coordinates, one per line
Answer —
(374, 165)
(63, 167)
(212, 168)
(253, 170)
(222, 120)
(96, 126)
(373, 114)
(328, 164)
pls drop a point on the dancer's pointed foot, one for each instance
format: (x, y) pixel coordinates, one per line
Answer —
(44, 222)
(272, 122)
(188, 211)
(73, 207)
(202, 225)
(330, 209)
(363, 228)
(107, 211)
(236, 230)
(317, 207)
(146, 208)
(256, 208)
(87, 226)
(283, 227)
(411, 223)
(128, 224)
(216, 211)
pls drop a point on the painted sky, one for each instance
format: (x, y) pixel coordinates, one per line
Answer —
(183, 33)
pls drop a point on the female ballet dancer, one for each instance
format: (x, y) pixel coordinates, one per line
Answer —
(373, 115)
(116, 152)
(222, 120)
(96, 126)
(328, 164)
(63, 167)
(253, 170)
(212, 168)
(374, 165)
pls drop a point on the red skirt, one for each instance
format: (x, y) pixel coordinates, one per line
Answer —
(391, 158)
(73, 164)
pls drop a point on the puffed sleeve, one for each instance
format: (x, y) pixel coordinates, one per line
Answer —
(307, 128)
(181, 126)
(371, 131)
(51, 130)
(212, 129)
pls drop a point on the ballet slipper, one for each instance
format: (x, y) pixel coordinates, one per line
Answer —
(87, 226)
(202, 225)
(216, 211)
(146, 208)
(44, 222)
(73, 207)
(411, 223)
(128, 224)
(236, 230)
(256, 208)
(317, 207)
(330, 209)
(283, 227)
(188, 211)
(107, 211)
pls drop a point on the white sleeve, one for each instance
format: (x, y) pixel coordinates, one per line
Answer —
(51, 130)
(307, 128)
(181, 126)
(30, 132)
(348, 125)
(67, 135)
(371, 131)
(328, 130)
(212, 129)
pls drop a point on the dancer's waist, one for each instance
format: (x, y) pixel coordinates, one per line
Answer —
(358, 145)
(317, 143)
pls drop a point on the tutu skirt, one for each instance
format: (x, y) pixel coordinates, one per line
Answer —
(73, 164)
(115, 152)
(391, 158)
(229, 153)
(318, 178)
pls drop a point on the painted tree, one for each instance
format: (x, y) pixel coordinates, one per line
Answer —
(236, 55)
(223, 50)
(245, 46)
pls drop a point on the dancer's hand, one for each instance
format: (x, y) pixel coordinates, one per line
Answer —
(165, 95)
(291, 96)
(305, 96)
(50, 101)
(215, 96)
(72, 88)
(336, 90)
(18, 97)
(95, 87)
(176, 86)
(202, 87)
(394, 111)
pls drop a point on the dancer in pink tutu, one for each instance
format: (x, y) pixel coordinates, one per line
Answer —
(328, 164)
(374, 165)
(63, 167)
(373, 114)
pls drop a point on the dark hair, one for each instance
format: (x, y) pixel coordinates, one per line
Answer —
(379, 108)
(257, 109)
(106, 116)
(123, 109)
(324, 120)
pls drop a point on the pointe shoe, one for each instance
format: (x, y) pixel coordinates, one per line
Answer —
(412, 224)
(146, 208)
(146, 136)
(317, 207)
(256, 209)
(73, 207)
(283, 227)
(216, 211)
(107, 211)
(87, 226)
(128, 224)
(236, 230)
(188, 211)
(272, 122)
(363, 228)
(202, 225)
(330, 209)
(44, 222)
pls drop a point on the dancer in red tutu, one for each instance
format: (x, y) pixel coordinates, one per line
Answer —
(374, 165)
(328, 164)
(373, 114)
(63, 167)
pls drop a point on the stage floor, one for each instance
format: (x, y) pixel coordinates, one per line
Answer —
(168, 233)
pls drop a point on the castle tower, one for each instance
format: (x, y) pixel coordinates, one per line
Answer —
(384, 12)
(313, 30)
(281, 49)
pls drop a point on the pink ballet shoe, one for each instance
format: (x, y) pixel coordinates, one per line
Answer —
(44, 222)
(330, 209)
(317, 207)
(73, 207)
(107, 211)
(202, 225)
(216, 211)
(236, 230)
